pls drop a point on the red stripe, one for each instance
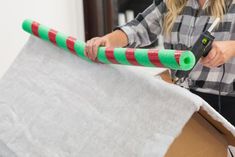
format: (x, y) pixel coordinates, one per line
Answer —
(177, 56)
(130, 56)
(35, 27)
(52, 35)
(154, 58)
(70, 42)
(110, 55)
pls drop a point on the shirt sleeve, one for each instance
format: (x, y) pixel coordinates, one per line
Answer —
(144, 29)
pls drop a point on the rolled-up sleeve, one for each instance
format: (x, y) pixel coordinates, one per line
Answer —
(144, 29)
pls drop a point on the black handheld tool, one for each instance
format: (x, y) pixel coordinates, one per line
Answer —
(201, 48)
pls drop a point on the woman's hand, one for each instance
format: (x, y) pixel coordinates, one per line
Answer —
(92, 46)
(220, 53)
(115, 39)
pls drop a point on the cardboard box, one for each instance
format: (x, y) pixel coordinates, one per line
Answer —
(202, 136)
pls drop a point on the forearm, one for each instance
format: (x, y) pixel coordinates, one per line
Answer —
(232, 43)
(117, 38)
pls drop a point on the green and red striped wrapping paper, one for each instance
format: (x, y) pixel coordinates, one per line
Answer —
(173, 59)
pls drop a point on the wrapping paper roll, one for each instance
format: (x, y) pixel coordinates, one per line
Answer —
(173, 59)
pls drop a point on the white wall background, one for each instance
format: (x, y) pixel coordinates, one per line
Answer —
(63, 15)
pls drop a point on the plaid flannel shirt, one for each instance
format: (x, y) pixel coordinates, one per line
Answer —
(145, 28)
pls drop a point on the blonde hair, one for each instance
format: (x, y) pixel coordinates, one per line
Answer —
(175, 7)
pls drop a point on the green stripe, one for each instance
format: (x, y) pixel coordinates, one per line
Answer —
(187, 60)
(43, 32)
(142, 58)
(120, 56)
(102, 56)
(80, 50)
(61, 40)
(27, 25)
(167, 58)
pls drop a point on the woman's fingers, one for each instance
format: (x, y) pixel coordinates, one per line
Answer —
(214, 59)
(218, 60)
(95, 46)
(220, 53)
(209, 57)
(89, 48)
(92, 46)
(214, 62)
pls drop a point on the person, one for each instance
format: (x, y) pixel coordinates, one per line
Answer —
(181, 22)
